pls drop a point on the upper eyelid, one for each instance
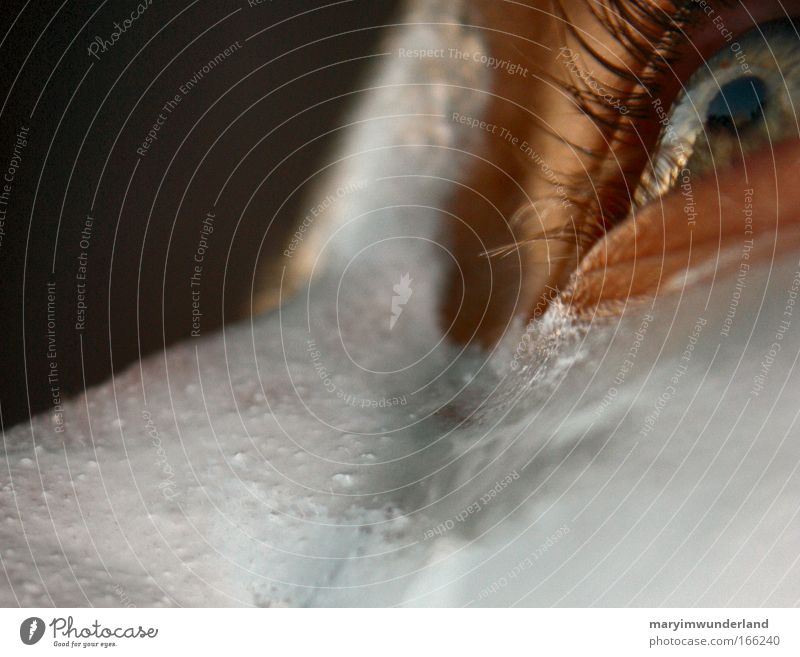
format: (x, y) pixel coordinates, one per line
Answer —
(653, 38)
(650, 38)
(645, 35)
(637, 81)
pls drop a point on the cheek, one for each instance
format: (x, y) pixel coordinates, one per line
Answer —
(705, 230)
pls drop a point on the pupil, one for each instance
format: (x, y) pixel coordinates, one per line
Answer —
(738, 103)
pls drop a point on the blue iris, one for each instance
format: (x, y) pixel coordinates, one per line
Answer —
(738, 104)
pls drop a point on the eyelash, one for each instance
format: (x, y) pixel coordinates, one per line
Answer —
(651, 37)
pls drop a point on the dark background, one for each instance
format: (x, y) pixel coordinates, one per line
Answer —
(260, 118)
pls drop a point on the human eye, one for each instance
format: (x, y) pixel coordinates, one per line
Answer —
(657, 114)
(740, 101)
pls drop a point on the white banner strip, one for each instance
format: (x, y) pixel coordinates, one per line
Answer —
(400, 632)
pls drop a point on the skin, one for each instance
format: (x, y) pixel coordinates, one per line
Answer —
(537, 109)
(635, 445)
